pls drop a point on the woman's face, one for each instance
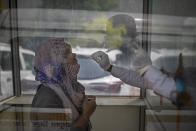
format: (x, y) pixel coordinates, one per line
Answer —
(71, 58)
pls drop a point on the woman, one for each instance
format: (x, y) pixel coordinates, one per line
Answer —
(56, 68)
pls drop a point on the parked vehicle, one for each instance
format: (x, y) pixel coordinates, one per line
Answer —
(95, 79)
(26, 64)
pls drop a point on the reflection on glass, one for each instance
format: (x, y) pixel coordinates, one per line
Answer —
(14, 118)
(90, 69)
(167, 44)
(172, 34)
(6, 89)
(96, 80)
(170, 120)
(28, 61)
(86, 25)
(6, 80)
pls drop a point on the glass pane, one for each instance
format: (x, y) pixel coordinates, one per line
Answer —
(88, 26)
(173, 32)
(6, 80)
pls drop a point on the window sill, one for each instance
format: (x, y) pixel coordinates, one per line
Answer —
(100, 100)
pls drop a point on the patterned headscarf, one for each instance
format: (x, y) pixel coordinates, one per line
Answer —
(53, 71)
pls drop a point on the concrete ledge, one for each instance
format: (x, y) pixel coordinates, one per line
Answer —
(100, 100)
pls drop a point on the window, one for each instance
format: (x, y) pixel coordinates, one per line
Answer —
(173, 31)
(89, 26)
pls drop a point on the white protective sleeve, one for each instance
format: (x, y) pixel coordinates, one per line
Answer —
(153, 79)
(129, 77)
(161, 83)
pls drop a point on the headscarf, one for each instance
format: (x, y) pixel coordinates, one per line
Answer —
(53, 71)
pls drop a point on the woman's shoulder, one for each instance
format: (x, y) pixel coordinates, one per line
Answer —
(46, 96)
(43, 90)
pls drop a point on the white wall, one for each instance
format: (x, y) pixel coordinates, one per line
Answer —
(116, 118)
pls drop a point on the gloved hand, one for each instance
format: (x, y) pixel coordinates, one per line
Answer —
(140, 61)
(102, 59)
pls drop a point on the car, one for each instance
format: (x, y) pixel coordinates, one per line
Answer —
(26, 63)
(95, 80)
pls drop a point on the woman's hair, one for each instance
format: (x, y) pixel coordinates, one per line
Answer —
(54, 50)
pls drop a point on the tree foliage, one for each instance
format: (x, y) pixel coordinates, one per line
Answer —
(113, 35)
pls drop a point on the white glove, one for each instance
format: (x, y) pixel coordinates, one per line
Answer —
(102, 59)
(140, 61)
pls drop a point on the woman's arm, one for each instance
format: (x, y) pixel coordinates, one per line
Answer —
(81, 122)
(89, 106)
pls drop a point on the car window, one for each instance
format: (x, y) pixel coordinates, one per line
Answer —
(6, 63)
(89, 69)
(28, 59)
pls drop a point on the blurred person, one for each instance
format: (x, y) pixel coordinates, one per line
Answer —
(125, 35)
(143, 74)
(56, 68)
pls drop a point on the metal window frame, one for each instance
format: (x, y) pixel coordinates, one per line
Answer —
(147, 8)
(15, 47)
(146, 45)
